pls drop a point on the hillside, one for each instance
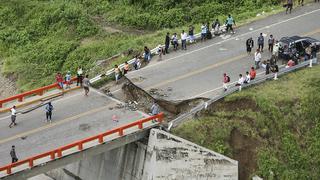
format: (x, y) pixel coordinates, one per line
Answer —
(41, 37)
(272, 129)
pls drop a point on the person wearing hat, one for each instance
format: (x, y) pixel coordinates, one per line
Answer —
(13, 116)
(68, 80)
(13, 154)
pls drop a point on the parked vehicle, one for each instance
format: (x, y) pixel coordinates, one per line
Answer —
(295, 45)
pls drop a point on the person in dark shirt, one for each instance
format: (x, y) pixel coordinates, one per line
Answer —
(268, 67)
(13, 154)
(167, 44)
(289, 6)
(249, 45)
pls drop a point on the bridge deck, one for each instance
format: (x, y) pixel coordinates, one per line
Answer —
(75, 117)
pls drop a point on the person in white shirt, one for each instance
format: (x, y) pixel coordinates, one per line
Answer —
(175, 41)
(240, 81)
(248, 78)
(203, 31)
(275, 51)
(79, 76)
(13, 116)
(184, 37)
(257, 58)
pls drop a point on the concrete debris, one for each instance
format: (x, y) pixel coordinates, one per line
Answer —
(131, 105)
(108, 92)
(158, 92)
(138, 79)
(119, 106)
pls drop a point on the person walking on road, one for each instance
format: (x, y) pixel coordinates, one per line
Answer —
(13, 116)
(229, 22)
(79, 76)
(225, 81)
(49, 109)
(257, 58)
(167, 43)
(13, 154)
(289, 6)
(249, 45)
(271, 43)
(184, 37)
(59, 80)
(261, 42)
(86, 85)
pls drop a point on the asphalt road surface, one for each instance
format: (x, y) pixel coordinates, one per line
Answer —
(198, 71)
(75, 117)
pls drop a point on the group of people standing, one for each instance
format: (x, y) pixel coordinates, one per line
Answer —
(82, 80)
(273, 48)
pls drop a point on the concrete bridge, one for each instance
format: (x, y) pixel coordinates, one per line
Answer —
(188, 74)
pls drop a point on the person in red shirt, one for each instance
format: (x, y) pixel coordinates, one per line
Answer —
(252, 73)
(290, 63)
(59, 80)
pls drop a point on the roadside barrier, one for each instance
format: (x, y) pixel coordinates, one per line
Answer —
(233, 89)
(39, 91)
(79, 146)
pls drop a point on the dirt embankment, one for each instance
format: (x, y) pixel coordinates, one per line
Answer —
(244, 148)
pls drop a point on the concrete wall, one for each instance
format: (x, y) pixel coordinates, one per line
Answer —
(164, 156)
(126, 162)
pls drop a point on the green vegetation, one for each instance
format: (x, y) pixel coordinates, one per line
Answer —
(40, 37)
(273, 129)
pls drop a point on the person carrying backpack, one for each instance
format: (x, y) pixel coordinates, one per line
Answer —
(226, 80)
(49, 109)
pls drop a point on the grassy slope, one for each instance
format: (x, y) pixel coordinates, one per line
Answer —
(273, 129)
(40, 37)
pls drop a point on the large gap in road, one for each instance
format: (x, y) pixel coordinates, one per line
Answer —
(144, 100)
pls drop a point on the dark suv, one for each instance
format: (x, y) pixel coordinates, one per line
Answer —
(296, 45)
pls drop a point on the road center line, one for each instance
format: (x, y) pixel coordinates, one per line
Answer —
(48, 126)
